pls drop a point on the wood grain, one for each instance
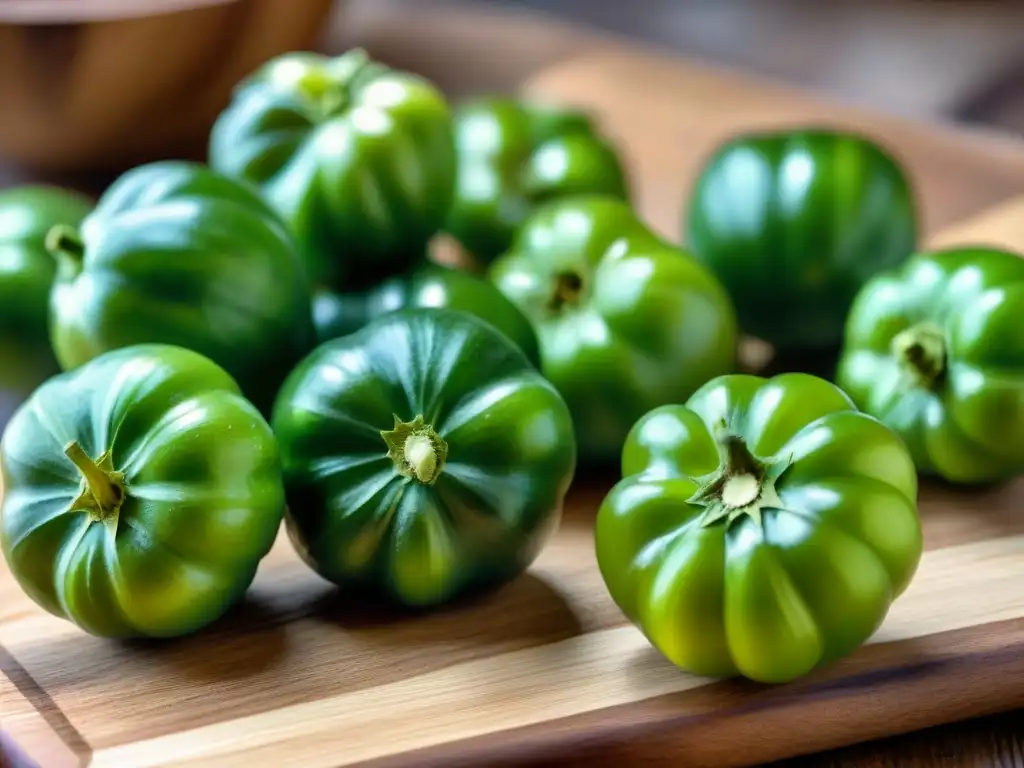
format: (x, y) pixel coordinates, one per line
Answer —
(1001, 226)
(995, 741)
(24, 726)
(958, 588)
(546, 667)
(670, 113)
(296, 672)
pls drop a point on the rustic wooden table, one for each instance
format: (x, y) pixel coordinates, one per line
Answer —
(960, 172)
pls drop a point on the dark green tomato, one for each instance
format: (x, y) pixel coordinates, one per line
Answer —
(177, 254)
(513, 156)
(935, 349)
(26, 274)
(141, 490)
(430, 285)
(424, 457)
(763, 528)
(794, 223)
(626, 321)
(359, 159)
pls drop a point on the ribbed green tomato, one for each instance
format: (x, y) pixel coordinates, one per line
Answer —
(935, 349)
(513, 156)
(626, 321)
(141, 490)
(176, 254)
(794, 222)
(26, 273)
(358, 158)
(429, 285)
(762, 529)
(424, 457)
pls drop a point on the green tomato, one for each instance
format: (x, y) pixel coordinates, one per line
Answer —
(26, 273)
(513, 156)
(935, 350)
(794, 223)
(141, 490)
(358, 158)
(176, 254)
(762, 529)
(626, 321)
(430, 285)
(424, 457)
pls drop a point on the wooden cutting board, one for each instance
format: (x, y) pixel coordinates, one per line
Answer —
(546, 667)
(669, 113)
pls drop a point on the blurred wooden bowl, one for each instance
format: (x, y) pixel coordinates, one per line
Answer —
(106, 84)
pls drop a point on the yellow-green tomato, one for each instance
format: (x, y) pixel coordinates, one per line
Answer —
(762, 529)
(935, 349)
(625, 321)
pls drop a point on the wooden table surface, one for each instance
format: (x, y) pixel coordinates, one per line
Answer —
(959, 171)
(471, 51)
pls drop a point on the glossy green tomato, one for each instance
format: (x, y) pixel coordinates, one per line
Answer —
(430, 285)
(762, 529)
(794, 223)
(626, 322)
(140, 493)
(513, 156)
(424, 457)
(26, 274)
(358, 158)
(935, 350)
(177, 254)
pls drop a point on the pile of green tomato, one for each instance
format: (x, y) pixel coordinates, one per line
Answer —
(212, 349)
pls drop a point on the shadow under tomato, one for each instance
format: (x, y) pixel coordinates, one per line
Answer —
(866, 670)
(593, 473)
(527, 611)
(990, 490)
(245, 641)
(584, 499)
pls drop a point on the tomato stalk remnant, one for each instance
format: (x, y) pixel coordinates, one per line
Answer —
(64, 241)
(921, 352)
(742, 486)
(417, 451)
(740, 490)
(568, 289)
(420, 456)
(102, 488)
(330, 87)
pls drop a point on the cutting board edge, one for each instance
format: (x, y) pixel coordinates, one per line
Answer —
(618, 668)
(26, 733)
(615, 728)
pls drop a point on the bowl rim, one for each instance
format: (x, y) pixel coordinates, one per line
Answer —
(73, 11)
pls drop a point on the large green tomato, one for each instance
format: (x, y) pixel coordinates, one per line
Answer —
(177, 254)
(626, 322)
(140, 493)
(429, 285)
(762, 529)
(513, 156)
(26, 274)
(794, 223)
(424, 457)
(935, 350)
(358, 158)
